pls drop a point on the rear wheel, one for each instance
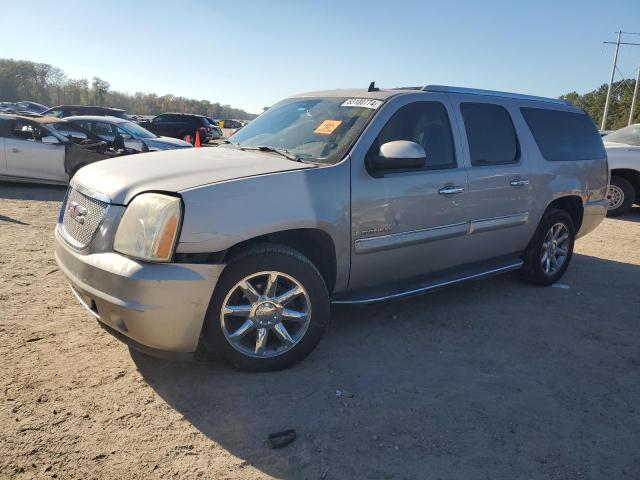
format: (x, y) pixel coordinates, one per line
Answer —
(620, 195)
(549, 252)
(268, 311)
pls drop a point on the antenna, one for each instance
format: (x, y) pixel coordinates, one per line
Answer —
(372, 87)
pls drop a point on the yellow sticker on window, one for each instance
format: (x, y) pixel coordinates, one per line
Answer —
(327, 127)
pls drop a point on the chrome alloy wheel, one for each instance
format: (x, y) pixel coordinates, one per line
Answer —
(615, 196)
(555, 248)
(265, 314)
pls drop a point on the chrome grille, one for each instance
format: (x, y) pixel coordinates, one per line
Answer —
(88, 213)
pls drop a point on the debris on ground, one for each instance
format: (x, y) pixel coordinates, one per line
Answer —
(344, 393)
(282, 439)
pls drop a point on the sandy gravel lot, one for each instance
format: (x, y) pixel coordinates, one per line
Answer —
(489, 380)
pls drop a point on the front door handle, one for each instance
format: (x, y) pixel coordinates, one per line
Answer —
(519, 182)
(15, 150)
(450, 190)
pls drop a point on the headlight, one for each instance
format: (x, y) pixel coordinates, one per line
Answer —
(149, 227)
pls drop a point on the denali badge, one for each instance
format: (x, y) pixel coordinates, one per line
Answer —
(77, 212)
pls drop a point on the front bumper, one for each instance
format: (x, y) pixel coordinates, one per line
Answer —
(158, 307)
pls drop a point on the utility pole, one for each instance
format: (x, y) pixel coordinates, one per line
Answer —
(603, 126)
(635, 95)
(617, 43)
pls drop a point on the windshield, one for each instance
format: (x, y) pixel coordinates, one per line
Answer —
(629, 135)
(136, 130)
(318, 129)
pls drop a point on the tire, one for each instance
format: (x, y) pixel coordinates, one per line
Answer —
(293, 270)
(621, 196)
(536, 268)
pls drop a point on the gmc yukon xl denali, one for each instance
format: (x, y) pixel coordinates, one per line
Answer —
(343, 196)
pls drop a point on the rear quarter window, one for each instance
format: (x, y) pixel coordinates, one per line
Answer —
(564, 136)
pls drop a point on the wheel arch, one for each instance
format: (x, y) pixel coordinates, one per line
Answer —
(572, 204)
(632, 176)
(314, 243)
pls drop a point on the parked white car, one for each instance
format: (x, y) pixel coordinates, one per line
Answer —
(623, 151)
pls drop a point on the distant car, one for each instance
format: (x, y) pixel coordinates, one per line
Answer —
(134, 136)
(231, 124)
(47, 149)
(217, 131)
(63, 111)
(181, 125)
(31, 107)
(623, 152)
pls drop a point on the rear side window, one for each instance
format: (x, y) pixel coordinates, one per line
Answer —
(564, 136)
(490, 133)
(427, 124)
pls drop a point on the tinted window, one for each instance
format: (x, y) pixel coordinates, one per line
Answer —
(564, 136)
(490, 133)
(102, 129)
(427, 124)
(58, 113)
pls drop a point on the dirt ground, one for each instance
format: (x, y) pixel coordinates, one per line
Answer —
(488, 380)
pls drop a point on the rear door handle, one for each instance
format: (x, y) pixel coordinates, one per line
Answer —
(519, 182)
(450, 190)
(15, 150)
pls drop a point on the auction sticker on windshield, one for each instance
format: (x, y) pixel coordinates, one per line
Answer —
(362, 102)
(327, 127)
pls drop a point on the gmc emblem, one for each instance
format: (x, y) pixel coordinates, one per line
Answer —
(77, 212)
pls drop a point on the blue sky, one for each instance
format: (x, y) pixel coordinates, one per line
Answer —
(252, 53)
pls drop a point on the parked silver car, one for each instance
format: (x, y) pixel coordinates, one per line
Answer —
(345, 196)
(47, 149)
(133, 135)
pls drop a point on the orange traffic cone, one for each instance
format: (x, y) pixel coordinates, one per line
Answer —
(197, 145)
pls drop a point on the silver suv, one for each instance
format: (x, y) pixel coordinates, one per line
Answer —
(345, 196)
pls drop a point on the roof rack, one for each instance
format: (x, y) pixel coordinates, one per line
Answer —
(491, 93)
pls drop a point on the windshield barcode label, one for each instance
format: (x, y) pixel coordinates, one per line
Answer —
(362, 102)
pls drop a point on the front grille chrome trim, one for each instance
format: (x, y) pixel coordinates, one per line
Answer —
(80, 234)
(88, 192)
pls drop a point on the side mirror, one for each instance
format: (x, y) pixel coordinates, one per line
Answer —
(398, 155)
(126, 136)
(50, 140)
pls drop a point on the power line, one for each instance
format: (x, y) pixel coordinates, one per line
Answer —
(617, 43)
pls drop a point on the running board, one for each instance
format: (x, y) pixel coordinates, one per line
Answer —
(434, 282)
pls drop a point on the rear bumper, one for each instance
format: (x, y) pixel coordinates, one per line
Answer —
(156, 308)
(594, 213)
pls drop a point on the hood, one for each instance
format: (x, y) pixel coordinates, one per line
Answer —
(616, 145)
(165, 143)
(123, 178)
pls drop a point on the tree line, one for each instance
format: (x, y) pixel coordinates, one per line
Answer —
(43, 83)
(619, 106)
(49, 85)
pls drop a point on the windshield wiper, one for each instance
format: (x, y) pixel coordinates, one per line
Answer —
(267, 148)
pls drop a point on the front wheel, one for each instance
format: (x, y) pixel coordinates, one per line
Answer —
(268, 311)
(549, 252)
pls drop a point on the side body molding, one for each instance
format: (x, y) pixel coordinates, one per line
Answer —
(405, 239)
